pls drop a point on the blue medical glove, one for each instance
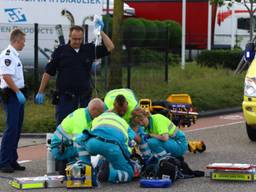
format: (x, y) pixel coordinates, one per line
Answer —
(21, 97)
(99, 23)
(39, 98)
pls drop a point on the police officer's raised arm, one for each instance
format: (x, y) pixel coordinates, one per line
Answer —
(107, 41)
(105, 48)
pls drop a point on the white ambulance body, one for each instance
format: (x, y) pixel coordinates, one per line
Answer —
(226, 22)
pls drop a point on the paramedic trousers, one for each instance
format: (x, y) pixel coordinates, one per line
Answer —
(120, 171)
(176, 145)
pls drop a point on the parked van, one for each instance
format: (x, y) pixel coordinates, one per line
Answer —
(226, 22)
(24, 14)
(249, 103)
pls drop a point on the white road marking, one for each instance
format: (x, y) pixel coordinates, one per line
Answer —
(213, 127)
(24, 161)
(231, 117)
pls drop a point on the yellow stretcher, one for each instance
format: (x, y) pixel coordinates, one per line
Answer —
(177, 107)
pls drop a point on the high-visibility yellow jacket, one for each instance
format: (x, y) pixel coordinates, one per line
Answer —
(129, 96)
(159, 124)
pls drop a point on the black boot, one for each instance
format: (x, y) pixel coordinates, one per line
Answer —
(18, 167)
(7, 169)
(61, 166)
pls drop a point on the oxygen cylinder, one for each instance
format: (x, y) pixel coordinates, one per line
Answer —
(50, 163)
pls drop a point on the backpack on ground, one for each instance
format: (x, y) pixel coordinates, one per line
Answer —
(169, 167)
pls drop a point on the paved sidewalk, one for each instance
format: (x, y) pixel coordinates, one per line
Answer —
(26, 142)
(31, 148)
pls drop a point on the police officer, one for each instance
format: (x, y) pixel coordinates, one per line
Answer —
(165, 137)
(109, 137)
(129, 96)
(72, 63)
(12, 87)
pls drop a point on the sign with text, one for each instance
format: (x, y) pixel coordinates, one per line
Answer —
(48, 11)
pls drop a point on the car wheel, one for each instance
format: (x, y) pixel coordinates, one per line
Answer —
(251, 132)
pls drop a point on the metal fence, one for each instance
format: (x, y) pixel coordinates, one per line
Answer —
(144, 68)
(41, 40)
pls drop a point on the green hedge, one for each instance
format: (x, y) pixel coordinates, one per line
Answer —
(151, 33)
(174, 33)
(220, 58)
(161, 34)
(152, 57)
(154, 32)
(133, 32)
(147, 33)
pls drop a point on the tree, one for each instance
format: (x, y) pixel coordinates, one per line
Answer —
(115, 74)
(251, 13)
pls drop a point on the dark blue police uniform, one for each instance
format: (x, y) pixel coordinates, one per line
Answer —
(73, 82)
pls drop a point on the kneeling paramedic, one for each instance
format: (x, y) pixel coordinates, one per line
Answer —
(129, 96)
(165, 137)
(62, 147)
(109, 137)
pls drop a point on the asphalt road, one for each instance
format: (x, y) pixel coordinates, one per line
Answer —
(224, 144)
